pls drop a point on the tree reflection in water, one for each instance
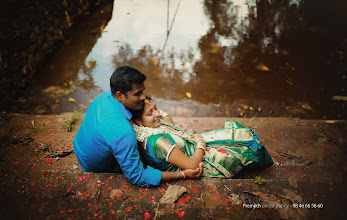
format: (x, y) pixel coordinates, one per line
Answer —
(244, 35)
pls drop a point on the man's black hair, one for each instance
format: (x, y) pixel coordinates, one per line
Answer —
(137, 114)
(124, 77)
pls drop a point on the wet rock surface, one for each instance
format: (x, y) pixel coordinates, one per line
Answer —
(36, 185)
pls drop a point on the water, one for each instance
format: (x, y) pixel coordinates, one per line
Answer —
(220, 58)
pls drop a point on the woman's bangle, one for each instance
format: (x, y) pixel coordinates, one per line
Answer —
(184, 176)
(200, 147)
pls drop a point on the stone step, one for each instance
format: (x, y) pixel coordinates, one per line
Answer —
(60, 194)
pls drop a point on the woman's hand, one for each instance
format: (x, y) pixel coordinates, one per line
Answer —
(193, 174)
(196, 136)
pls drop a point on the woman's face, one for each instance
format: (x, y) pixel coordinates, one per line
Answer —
(150, 116)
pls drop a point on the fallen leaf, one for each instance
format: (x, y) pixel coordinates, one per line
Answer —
(262, 67)
(173, 192)
(293, 182)
(188, 94)
(116, 41)
(72, 100)
(339, 98)
(306, 106)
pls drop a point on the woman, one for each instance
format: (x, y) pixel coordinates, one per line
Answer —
(224, 152)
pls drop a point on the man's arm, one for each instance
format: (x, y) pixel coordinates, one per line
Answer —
(187, 174)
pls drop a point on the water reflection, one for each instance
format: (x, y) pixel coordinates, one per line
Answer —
(235, 57)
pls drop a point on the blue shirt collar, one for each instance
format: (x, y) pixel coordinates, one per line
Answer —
(121, 107)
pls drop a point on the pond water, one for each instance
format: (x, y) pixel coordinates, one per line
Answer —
(243, 58)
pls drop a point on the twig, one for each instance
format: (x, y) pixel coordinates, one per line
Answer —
(156, 212)
(227, 188)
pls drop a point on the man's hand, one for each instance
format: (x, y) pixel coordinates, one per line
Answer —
(193, 174)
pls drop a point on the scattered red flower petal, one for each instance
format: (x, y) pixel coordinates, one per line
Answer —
(181, 201)
(147, 215)
(180, 214)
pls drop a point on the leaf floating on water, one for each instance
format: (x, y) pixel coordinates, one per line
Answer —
(57, 101)
(262, 67)
(67, 92)
(72, 100)
(259, 109)
(306, 106)
(289, 82)
(227, 112)
(251, 108)
(189, 95)
(216, 105)
(245, 107)
(339, 98)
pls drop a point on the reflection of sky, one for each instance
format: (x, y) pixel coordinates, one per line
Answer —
(140, 23)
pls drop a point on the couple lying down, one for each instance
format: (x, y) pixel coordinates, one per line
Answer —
(224, 152)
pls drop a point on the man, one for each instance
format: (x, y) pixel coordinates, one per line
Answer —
(106, 142)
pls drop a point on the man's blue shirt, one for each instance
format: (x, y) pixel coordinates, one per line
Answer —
(106, 142)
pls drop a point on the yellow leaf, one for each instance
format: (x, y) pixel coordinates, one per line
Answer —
(259, 109)
(72, 100)
(57, 101)
(216, 105)
(72, 90)
(189, 95)
(251, 108)
(227, 112)
(262, 67)
(241, 114)
(246, 107)
(306, 106)
(339, 98)
(65, 84)
(116, 41)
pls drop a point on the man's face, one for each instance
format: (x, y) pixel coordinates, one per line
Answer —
(136, 97)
